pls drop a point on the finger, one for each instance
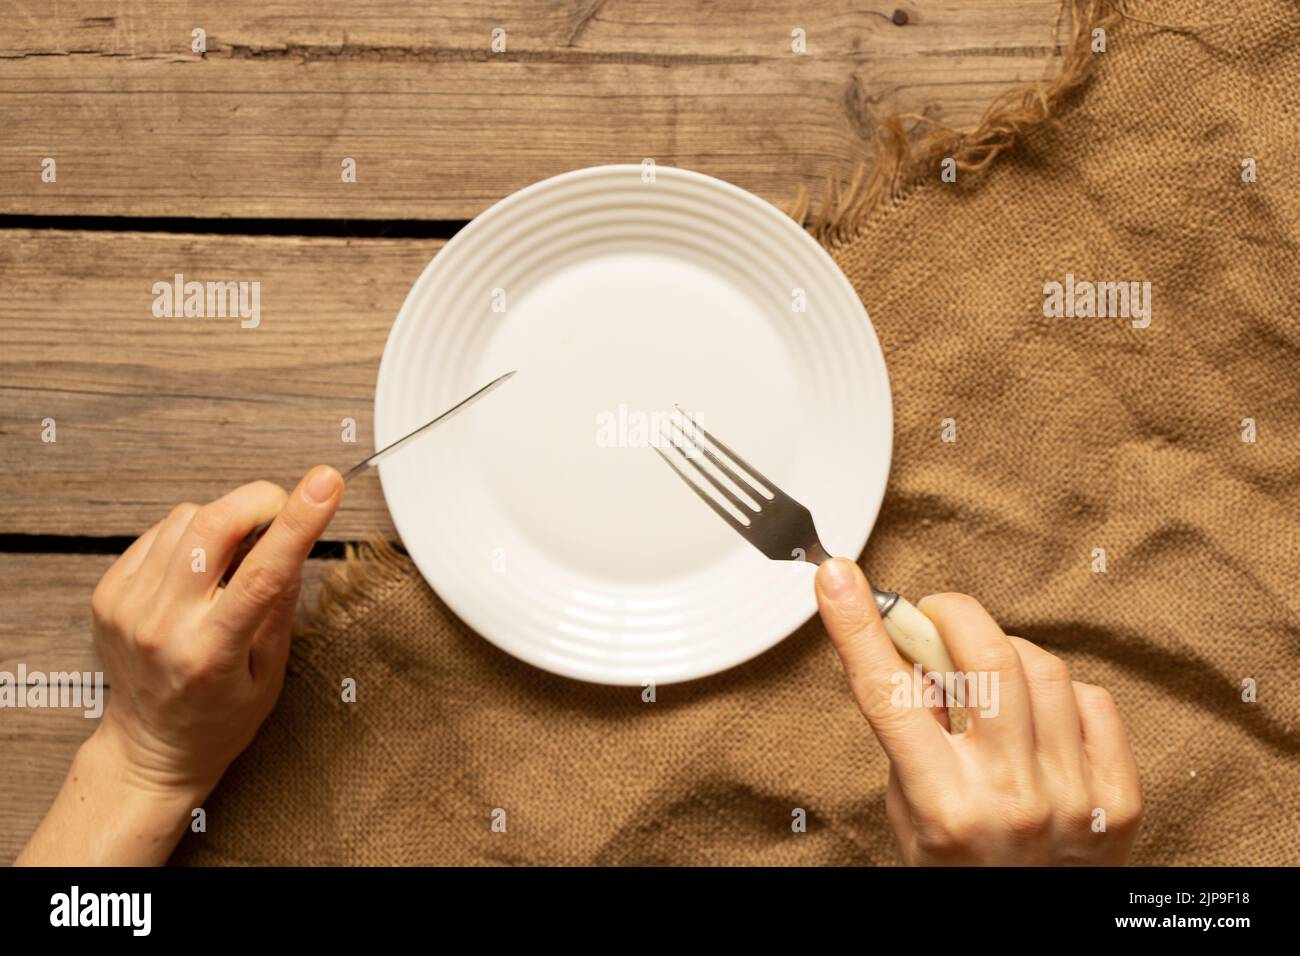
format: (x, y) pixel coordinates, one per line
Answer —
(940, 708)
(269, 574)
(114, 583)
(128, 562)
(992, 688)
(1057, 736)
(269, 651)
(896, 809)
(910, 736)
(205, 547)
(1105, 740)
(153, 566)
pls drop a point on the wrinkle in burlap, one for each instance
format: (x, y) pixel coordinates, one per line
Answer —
(1072, 434)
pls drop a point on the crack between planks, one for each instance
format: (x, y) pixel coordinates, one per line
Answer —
(568, 55)
(341, 228)
(1037, 52)
(308, 53)
(315, 53)
(105, 54)
(115, 544)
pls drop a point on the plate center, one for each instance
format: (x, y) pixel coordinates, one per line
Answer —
(605, 347)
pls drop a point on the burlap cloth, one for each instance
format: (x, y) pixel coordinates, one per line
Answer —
(1072, 434)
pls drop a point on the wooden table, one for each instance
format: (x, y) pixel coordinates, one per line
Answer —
(241, 149)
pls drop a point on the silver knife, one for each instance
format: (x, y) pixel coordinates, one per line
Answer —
(387, 450)
(246, 545)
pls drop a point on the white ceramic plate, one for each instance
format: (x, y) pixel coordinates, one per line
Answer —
(622, 297)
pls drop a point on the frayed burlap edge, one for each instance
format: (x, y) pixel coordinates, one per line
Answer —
(369, 569)
(905, 158)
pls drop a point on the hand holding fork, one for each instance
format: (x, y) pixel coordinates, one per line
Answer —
(783, 529)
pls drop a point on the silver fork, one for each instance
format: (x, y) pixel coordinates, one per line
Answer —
(783, 530)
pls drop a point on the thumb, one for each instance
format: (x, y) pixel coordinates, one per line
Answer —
(911, 738)
(269, 575)
(849, 612)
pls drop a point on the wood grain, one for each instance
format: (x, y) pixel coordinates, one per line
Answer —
(441, 127)
(45, 624)
(153, 411)
(665, 27)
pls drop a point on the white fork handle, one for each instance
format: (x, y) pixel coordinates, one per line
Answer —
(917, 638)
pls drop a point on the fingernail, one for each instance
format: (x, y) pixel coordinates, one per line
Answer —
(838, 578)
(321, 484)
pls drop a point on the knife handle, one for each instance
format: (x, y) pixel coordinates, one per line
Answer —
(917, 638)
(241, 550)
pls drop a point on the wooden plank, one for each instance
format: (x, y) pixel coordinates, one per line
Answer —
(149, 412)
(441, 127)
(45, 618)
(667, 27)
(45, 624)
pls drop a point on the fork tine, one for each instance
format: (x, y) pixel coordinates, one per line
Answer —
(708, 499)
(731, 496)
(754, 476)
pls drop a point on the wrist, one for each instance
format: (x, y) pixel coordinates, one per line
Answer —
(108, 813)
(135, 820)
(114, 758)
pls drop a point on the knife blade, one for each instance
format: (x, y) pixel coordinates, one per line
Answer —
(464, 403)
(254, 536)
